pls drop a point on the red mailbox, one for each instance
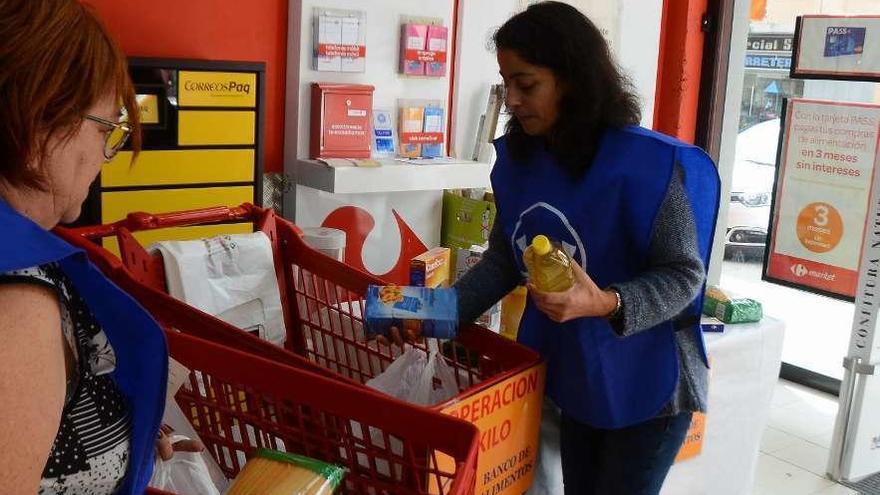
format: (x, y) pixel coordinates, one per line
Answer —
(341, 120)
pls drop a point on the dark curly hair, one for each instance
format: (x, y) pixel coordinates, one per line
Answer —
(557, 36)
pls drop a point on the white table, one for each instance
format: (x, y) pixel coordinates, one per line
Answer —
(745, 368)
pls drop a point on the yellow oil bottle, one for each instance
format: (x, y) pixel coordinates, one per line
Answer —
(549, 265)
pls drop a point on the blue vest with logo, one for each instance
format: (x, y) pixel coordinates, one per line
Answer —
(605, 219)
(142, 356)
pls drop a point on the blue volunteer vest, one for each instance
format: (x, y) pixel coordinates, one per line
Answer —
(605, 220)
(142, 357)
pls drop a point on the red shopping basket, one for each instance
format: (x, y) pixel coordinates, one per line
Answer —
(239, 402)
(323, 300)
(323, 307)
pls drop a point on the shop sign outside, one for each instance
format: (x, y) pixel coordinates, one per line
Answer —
(769, 51)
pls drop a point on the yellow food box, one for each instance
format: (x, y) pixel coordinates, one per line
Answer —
(431, 269)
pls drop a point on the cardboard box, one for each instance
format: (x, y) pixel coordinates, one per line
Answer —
(431, 269)
(466, 222)
(433, 312)
(341, 121)
(465, 260)
(711, 324)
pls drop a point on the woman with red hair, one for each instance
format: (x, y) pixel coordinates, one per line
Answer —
(84, 367)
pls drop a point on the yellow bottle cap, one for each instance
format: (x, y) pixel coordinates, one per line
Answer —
(541, 245)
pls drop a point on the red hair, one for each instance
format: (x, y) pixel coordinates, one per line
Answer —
(56, 61)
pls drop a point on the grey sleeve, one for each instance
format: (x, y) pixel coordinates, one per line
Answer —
(675, 271)
(489, 280)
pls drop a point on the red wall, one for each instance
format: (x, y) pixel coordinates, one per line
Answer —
(211, 30)
(680, 66)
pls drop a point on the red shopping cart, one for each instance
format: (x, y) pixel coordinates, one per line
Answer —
(239, 402)
(500, 382)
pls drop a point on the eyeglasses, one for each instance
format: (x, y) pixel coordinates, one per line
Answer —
(116, 138)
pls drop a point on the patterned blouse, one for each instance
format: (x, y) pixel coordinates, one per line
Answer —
(90, 454)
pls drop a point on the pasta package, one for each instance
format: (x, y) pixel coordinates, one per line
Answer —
(277, 473)
(432, 312)
(728, 309)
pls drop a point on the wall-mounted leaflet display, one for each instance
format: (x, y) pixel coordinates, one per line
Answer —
(423, 47)
(383, 134)
(827, 157)
(202, 129)
(837, 47)
(422, 128)
(339, 40)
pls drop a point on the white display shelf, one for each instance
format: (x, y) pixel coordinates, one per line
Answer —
(392, 176)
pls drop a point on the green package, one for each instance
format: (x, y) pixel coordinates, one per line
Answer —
(733, 310)
(466, 222)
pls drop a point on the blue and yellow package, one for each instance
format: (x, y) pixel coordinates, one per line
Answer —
(433, 311)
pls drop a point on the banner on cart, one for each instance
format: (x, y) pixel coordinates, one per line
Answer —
(508, 416)
(828, 153)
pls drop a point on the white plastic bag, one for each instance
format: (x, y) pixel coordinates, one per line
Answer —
(175, 418)
(186, 472)
(231, 277)
(413, 377)
(437, 383)
(402, 376)
(417, 378)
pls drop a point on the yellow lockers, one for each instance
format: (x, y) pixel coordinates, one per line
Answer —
(201, 147)
(179, 167)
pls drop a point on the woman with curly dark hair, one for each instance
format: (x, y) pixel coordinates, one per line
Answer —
(636, 210)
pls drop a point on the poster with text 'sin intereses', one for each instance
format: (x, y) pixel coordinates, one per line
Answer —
(827, 158)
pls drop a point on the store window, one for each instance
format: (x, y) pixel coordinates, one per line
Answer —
(765, 82)
(817, 327)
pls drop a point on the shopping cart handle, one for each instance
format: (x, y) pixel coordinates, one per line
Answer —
(145, 221)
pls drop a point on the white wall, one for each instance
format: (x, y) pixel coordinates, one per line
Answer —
(640, 49)
(476, 68)
(631, 26)
(383, 45)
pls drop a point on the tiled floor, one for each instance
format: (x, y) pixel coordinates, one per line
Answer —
(794, 449)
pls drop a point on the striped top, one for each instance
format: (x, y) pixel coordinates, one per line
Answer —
(90, 454)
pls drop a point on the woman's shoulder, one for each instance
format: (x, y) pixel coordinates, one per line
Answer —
(49, 275)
